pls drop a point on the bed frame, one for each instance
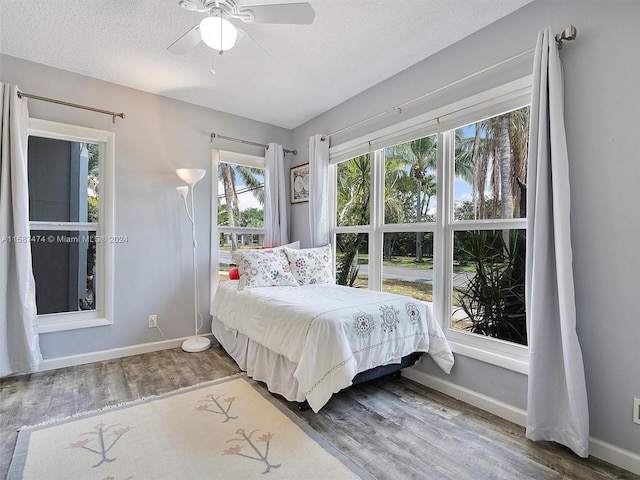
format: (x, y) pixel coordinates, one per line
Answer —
(378, 372)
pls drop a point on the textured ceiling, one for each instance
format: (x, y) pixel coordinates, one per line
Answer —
(283, 75)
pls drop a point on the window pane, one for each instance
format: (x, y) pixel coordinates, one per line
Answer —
(488, 283)
(410, 181)
(354, 185)
(407, 267)
(491, 167)
(64, 268)
(352, 259)
(240, 196)
(64, 180)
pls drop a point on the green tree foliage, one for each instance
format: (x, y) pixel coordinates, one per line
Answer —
(252, 217)
(497, 153)
(493, 299)
(93, 202)
(354, 194)
(419, 156)
(231, 174)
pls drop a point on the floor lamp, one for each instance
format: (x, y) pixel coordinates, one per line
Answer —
(191, 176)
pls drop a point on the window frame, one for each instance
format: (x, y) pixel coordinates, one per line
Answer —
(443, 122)
(103, 313)
(225, 156)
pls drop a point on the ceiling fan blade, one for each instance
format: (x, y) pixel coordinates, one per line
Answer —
(286, 13)
(186, 42)
(243, 34)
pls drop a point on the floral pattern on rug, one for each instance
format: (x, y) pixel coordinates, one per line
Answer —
(106, 441)
(259, 456)
(221, 410)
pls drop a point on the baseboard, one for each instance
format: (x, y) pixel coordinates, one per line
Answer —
(615, 455)
(81, 359)
(484, 402)
(604, 451)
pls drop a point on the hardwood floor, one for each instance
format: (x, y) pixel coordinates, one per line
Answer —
(395, 429)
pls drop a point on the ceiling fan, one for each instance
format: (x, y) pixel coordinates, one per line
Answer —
(217, 32)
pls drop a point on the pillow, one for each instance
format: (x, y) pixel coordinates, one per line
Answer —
(263, 268)
(311, 265)
(295, 245)
(234, 274)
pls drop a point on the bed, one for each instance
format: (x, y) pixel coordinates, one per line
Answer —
(308, 340)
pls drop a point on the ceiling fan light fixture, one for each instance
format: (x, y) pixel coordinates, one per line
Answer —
(218, 33)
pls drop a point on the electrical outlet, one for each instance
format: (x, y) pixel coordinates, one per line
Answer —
(153, 321)
(636, 410)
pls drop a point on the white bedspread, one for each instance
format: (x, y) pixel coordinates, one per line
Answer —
(331, 332)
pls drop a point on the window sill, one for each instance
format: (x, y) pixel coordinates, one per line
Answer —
(495, 352)
(46, 324)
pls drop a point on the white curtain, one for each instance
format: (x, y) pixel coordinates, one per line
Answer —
(275, 197)
(318, 190)
(19, 344)
(557, 396)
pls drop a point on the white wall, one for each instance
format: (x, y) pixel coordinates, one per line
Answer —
(602, 75)
(153, 271)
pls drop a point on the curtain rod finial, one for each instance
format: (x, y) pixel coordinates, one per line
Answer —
(569, 33)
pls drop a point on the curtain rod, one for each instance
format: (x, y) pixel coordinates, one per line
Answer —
(247, 142)
(74, 105)
(568, 33)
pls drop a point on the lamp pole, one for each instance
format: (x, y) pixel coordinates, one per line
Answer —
(191, 177)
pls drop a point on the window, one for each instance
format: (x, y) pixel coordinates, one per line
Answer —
(70, 174)
(437, 211)
(238, 213)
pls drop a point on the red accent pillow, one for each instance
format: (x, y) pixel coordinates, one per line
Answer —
(234, 274)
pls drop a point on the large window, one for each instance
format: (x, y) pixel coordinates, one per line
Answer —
(438, 213)
(71, 219)
(238, 217)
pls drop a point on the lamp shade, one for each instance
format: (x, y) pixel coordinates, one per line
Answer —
(182, 191)
(190, 176)
(218, 33)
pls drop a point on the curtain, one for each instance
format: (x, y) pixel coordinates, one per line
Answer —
(275, 197)
(318, 190)
(557, 396)
(19, 343)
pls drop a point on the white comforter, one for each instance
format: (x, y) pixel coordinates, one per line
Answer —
(331, 332)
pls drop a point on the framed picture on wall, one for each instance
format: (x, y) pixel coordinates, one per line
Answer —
(300, 183)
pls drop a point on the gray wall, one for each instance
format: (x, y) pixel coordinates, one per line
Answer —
(602, 75)
(153, 271)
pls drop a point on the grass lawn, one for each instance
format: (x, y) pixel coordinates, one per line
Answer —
(418, 290)
(410, 262)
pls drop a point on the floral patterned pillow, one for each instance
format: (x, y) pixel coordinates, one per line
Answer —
(263, 268)
(311, 265)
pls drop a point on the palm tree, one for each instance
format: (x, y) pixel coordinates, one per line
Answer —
(354, 196)
(497, 152)
(251, 177)
(519, 133)
(420, 156)
(231, 198)
(506, 165)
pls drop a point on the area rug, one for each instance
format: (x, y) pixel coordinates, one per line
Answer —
(226, 429)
